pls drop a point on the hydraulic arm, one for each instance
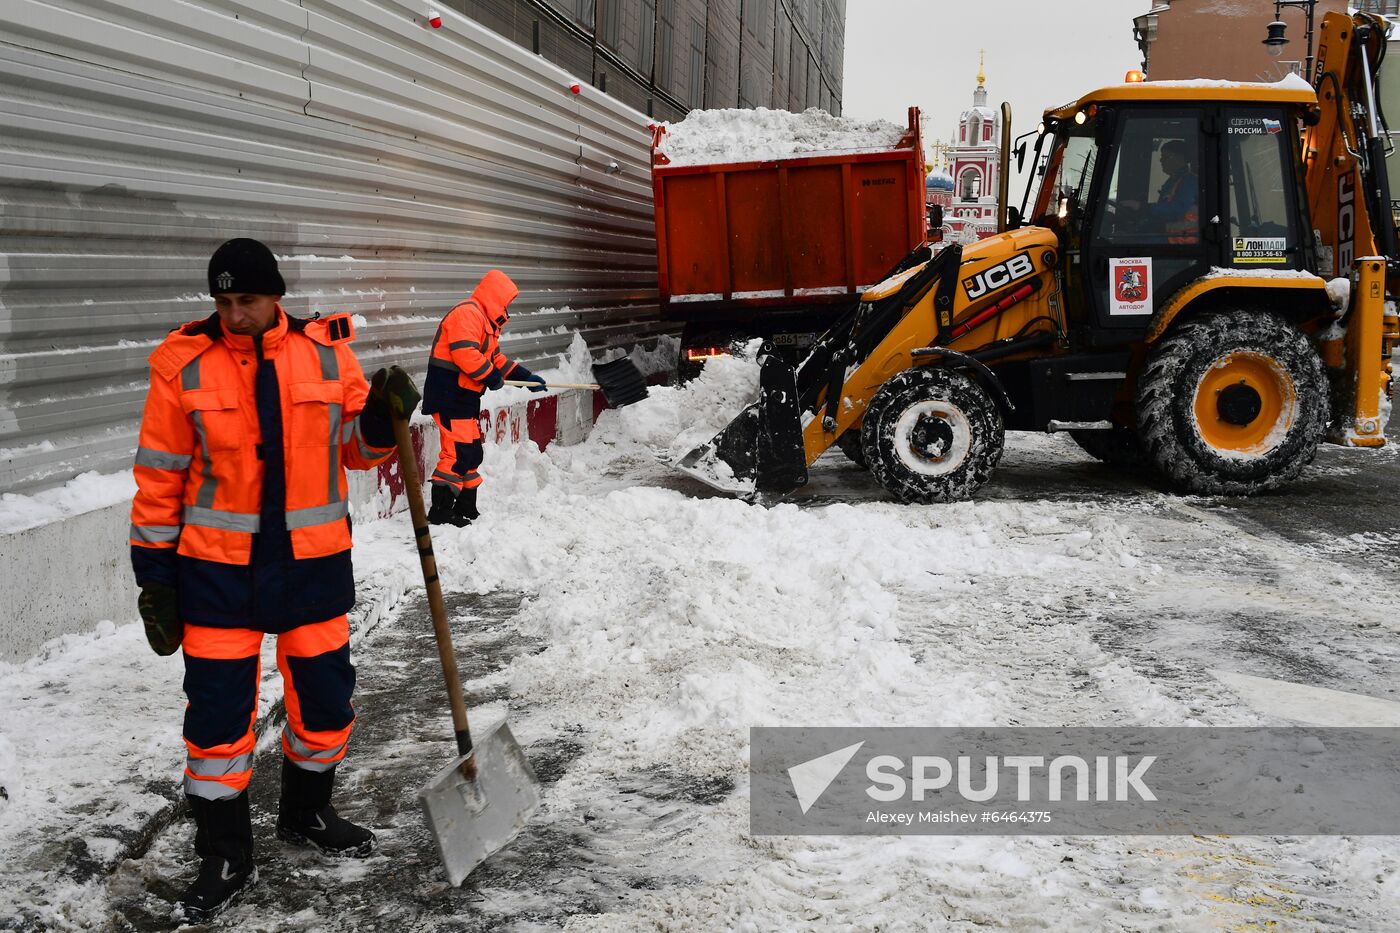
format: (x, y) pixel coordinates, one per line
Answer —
(1349, 196)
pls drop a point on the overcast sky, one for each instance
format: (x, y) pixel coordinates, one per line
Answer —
(1040, 53)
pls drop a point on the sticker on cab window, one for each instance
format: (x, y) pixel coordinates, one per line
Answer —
(1260, 249)
(1254, 126)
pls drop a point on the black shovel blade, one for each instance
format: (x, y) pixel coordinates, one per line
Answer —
(761, 450)
(622, 383)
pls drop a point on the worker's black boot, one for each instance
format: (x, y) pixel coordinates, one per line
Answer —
(465, 511)
(305, 816)
(223, 839)
(441, 511)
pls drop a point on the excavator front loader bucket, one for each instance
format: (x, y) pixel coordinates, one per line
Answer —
(761, 450)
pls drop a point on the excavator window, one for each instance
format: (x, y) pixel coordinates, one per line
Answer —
(1261, 188)
(1067, 173)
(1154, 192)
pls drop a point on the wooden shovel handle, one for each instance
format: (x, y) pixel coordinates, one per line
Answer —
(552, 385)
(408, 469)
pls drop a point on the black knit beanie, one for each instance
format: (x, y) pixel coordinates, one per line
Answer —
(245, 266)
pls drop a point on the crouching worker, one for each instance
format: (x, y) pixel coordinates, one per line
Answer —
(239, 529)
(467, 360)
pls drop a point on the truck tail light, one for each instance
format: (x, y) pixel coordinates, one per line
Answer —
(704, 353)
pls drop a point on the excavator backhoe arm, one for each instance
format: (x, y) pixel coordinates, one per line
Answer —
(1349, 198)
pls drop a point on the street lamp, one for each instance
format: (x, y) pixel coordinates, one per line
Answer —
(1277, 37)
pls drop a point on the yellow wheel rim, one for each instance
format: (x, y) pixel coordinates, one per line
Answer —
(1245, 404)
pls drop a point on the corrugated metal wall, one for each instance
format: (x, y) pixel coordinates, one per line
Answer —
(666, 57)
(387, 163)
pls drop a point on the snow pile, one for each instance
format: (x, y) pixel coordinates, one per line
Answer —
(674, 622)
(761, 135)
(85, 492)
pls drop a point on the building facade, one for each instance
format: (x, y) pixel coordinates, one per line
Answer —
(1184, 39)
(974, 162)
(668, 57)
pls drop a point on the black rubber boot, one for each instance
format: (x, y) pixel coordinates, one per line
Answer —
(305, 816)
(440, 512)
(223, 839)
(465, 511)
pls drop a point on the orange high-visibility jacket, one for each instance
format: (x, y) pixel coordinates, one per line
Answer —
(467, 346)
(200, 477)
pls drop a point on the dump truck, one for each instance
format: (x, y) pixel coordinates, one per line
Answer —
(778, 248)
(1204, 287)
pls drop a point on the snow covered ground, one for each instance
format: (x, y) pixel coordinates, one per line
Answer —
(633, 627)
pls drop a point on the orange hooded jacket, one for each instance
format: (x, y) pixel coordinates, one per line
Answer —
(467, 348)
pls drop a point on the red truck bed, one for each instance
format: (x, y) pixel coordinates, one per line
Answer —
(794, 233)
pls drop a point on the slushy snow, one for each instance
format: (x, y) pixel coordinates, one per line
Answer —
(671, 622)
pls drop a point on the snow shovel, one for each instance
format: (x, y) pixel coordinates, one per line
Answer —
(621, 382)
(480, 801)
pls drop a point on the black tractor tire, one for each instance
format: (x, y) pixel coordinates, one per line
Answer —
(932, 435)
(1117, 447)
(1232, 403)
(850, 445)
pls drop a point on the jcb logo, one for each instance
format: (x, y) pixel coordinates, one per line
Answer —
(1014, 269)
(1346, 222)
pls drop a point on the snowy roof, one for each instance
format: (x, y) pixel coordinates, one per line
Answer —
(1289, 82)
(761, 135)
(1291, 90)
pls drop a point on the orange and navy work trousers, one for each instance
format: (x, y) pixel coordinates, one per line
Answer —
(461, 453)
(222, 670)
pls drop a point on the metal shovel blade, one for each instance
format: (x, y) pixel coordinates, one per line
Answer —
(480, 801)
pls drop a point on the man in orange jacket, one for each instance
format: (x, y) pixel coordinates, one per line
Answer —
(240, 527)
(466, 360)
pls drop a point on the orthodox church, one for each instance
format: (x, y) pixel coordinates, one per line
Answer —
(973, 162)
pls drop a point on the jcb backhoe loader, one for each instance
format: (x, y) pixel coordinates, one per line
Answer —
(1167, 303)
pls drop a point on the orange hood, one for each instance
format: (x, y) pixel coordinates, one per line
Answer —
(494, 295)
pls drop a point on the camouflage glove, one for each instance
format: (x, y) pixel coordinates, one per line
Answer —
(163, 628)
(392, 391)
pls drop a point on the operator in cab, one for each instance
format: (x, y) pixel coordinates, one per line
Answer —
(1176, 212)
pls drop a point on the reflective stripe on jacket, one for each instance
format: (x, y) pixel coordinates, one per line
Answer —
(202, 491)
(467, 346)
